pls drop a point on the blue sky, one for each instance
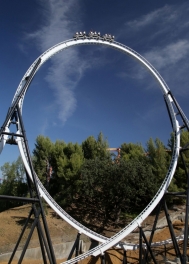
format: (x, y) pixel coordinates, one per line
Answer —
(87, 89)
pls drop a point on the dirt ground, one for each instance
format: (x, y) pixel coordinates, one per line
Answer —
(12, 221)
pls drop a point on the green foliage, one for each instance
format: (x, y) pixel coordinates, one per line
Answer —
(42, 156)
(13, 183)
(93, 148)
(158, 158)
(131, 151)
(66, 173)
(86, 175)
(110, 186)
(89, 148)
(180, 174)
(66, 160)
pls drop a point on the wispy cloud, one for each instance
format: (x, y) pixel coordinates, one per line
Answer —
(168, 55)
(60, 20)
(64, 82)
(162, 16)
(57, 22)
(170, 19)
(162, 37)
(58, 25)
(172, 63)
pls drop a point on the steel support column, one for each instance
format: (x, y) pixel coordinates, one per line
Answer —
(14, 113)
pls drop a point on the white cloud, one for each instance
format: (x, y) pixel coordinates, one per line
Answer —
(61, 19)
(161, 20)
(168, 55)
(162, 37)
(170, 61)
(159, 27)
(58, 25)
(149, 18)
(64, 82)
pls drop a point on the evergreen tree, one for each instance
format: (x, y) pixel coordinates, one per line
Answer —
(131, 151)
(65, 161)
(42, 157)
(13, 183)
(180, 175)
(109, 188)
(93, 148)
(158, 158)
(89, 148)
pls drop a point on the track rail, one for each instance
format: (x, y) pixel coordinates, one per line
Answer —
(19, 97)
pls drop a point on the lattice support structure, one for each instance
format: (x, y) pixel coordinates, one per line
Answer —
(14, 117)
(37, 210)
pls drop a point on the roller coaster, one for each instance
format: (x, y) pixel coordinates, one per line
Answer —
(14, 117)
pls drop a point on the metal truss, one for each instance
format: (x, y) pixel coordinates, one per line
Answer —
(14, 117)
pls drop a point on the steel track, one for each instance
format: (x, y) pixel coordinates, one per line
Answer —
(19, 97)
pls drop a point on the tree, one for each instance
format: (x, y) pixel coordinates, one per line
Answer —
(14, 183)
(131, 151)
(180, 175)
(108, 187)
(158, 158)
(42, 157)
(65, 161)
(66, 173)
(89, 148)
(93, 148)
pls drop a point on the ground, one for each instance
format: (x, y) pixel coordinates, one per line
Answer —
(12, 222)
